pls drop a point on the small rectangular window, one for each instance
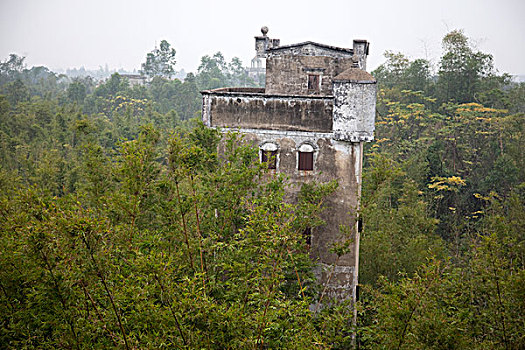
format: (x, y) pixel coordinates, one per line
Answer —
(313, 82)
(306, 161)
(269, 157)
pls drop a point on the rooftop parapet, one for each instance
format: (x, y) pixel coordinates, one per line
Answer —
(252, 109)
(235, 90)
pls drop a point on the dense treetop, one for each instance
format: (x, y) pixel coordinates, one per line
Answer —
(123, 225)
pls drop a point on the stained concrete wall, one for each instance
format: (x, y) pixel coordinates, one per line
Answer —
(263, 111)
(354, 111)
(332, 160)
(291, 121)
(288, 74)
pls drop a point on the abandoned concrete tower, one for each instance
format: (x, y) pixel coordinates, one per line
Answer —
(311, 120)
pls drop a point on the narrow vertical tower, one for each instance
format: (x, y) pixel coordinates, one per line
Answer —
(313, 116)
(355, 93)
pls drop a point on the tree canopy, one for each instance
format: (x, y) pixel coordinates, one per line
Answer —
(123, 224)
(160, 62)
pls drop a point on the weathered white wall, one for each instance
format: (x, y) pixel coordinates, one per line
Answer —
(354, 111)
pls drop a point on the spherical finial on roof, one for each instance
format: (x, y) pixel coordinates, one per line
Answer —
(264, 30)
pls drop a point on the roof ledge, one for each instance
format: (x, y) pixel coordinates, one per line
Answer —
(355, 75)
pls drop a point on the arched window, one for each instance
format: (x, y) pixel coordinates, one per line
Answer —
(269, 154)
(306, 157)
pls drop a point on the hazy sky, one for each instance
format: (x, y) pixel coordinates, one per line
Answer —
(119, 33)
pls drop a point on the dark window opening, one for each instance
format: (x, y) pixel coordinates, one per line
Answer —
(313, 82)
(306, 161)
(307, 235)
(269, 157)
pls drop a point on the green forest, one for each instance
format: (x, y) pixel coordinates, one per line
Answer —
(122, 226)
